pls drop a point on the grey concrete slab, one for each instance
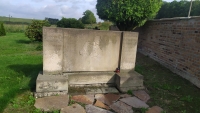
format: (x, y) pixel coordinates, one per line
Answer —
(90, 50)
(134, 102)
(51, 83)
(93, 109)
(129, 50)
(52, 50)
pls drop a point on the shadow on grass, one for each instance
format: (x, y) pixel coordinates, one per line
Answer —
(28, 70)
(23, 41)
(168, 90)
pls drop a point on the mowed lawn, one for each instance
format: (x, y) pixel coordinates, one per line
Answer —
(20, 63)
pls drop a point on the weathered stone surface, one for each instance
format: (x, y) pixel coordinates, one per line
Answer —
(121, 107)
(142, 95)
(51, 83)
(45, 94)
(52, 50)
(94, 109)
(100, 104)
(129, 81)
(84, 50)
(75, 108)
(125, 95)
(101, 90)
(129, 48)
(125, 89)
(86, 99)
(91, 78)
(52, 102)
(134, 102)
(107, 98)
(154, 109)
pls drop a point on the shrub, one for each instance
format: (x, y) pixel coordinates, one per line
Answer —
(70, 23)
(2, 29)
(34, 30)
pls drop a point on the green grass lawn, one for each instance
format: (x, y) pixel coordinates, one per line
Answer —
(168, 90)
(20, 63)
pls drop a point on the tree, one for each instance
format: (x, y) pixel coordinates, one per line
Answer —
(127, 14)
(34, 30)
(88, 17)
(178, 9)
(70, 23)
(2, 29)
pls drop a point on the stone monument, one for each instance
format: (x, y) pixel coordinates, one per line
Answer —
(79, 57)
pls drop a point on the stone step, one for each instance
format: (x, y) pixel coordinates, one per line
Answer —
(104, 82)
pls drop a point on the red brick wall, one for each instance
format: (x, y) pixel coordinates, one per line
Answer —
(175, 43)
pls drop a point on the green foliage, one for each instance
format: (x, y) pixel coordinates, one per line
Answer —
(2, 29)
(127, 14)
(130, 92)
(88, 17)
(34, 30)
(70, 23)
(39, 47)
(178, 9)
(187, 98)
(105, 25)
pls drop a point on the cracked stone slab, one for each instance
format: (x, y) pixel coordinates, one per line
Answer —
(86, 99)
(52, 102)
(75, 108)
(121, 107)
(134, 102)
(93, 109)
(107, 98)
(142, 95)
(154, 109)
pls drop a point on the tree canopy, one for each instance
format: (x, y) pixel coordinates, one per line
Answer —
(70, 23)
(178, 9)
(127, 14)
(88, 17)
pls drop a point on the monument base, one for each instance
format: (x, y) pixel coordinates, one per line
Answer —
(48, 85)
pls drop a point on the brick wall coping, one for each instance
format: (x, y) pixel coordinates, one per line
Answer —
(176, 18)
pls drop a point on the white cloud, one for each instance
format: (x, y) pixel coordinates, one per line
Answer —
(39, 9)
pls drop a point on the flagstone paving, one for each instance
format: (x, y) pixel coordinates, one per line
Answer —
(98, 103)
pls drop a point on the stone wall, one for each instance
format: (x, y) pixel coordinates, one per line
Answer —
(175, 43)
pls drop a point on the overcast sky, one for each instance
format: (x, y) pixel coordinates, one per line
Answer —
(39, 9)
